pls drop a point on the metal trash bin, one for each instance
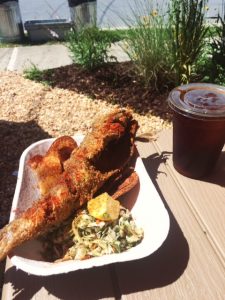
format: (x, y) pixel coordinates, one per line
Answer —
(11, 28)
(83, 12)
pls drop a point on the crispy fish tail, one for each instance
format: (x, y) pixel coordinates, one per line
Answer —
(36, 220)
(14, 234)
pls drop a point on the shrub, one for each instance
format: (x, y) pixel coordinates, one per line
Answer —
(218, 51)
(148, 45)
(35, 74)
(211, 65)
(89, 46)
(188, 31)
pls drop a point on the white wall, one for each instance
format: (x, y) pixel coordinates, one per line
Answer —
(109, 12)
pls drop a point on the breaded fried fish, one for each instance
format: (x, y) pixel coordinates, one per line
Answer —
(49, 167)
(104, 154)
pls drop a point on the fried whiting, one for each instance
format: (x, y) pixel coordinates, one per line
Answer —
(49, 167)
(104, 154)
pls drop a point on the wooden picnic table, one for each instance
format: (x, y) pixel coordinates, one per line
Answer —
(189, 265)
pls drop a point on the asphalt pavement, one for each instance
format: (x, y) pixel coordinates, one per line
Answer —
(44, 57)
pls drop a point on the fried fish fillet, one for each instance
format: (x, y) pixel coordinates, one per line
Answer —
(104, 153)
(49, 167)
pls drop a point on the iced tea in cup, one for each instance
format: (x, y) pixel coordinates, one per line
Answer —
(198, 127)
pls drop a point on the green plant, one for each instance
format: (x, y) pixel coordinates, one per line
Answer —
(210, 66)
(148, 45)
(218, 51)
(188, 32)
(202, 68)
(89, 46)
(35, 74)
(116, 35)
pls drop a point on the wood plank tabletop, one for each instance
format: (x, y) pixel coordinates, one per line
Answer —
(189, 265)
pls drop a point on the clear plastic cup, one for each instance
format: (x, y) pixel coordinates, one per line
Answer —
(198, 127)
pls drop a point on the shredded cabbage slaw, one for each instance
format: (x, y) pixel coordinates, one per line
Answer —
(85, 237)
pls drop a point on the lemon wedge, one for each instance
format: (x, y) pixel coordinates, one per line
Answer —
(104, 208)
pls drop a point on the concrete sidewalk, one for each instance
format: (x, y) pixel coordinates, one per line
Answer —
(44, 57)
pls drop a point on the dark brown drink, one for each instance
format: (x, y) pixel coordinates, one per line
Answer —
(198, 127)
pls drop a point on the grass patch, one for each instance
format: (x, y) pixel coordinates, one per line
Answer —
(188, 32)
(148, 44)
(35, 74)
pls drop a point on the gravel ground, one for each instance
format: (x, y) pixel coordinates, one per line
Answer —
(31, 111)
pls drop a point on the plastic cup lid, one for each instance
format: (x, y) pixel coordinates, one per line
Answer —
(198, 100)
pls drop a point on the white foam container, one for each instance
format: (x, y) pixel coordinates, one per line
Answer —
(144, 202)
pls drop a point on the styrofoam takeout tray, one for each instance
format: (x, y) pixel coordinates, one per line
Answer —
(144, 202)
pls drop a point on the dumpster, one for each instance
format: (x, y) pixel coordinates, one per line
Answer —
(47, 30)
(11, 28)
(83, 12)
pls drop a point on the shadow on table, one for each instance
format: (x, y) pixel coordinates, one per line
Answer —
(161, 268)
(165, 265)
(88, 284)
(218, 174)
